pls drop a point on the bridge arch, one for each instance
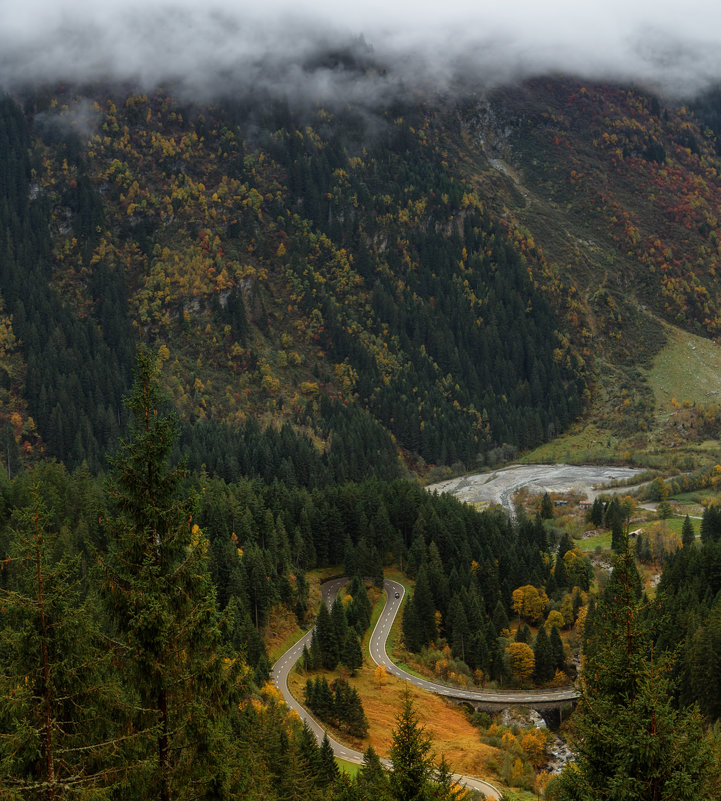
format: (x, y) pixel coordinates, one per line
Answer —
(553, 711)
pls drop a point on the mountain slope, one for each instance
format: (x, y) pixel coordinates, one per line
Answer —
(465, 277)
(621, 196)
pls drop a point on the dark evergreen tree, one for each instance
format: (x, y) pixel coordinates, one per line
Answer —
(341, 631)
(257, 584)
(702, 669)
(309, 750)
(544, 667)
(420, 629)
(613, 514)
(546, 507)
(559, 656)
(326, 637)
(324, 699)
(618, 537)
(596, 512)
(711, 524)
(359, 611)
(162, 603)
(417, 552)
(315, 654)
(500, 618)
(348, 709)
(329, 772)
(373, 779)
(626, 699)
(457, 625)
(410, 755)
(523, 634)
(687, 532)
(309, 693)
(444, 786)
(436, 572)
(352, 655)
(61, 710)
(294, 776)
(412, 630)
(300, 607)
(643, 549)
(559, 571)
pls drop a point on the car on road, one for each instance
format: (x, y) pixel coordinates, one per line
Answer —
(398, 595)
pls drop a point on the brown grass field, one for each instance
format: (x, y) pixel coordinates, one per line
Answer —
(446, 724)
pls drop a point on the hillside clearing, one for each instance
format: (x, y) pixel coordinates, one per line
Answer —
(687, 370)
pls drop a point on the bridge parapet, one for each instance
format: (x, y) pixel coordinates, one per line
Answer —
(553, 709)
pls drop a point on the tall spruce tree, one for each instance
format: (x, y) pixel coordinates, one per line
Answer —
(630, 742)
(60, 711)
(162, 603)
(329, 772)
(687, 532)
(544, 667)
(546, 507)
(340, 626)
(372, 779)
(444, 786)
(325, 637)
(352, 654)
(500, 618)
(559, 657)
(410, 754)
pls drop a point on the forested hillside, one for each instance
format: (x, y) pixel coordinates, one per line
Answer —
(133, 613)
(319, 271)
(447, 282)
(620, 190)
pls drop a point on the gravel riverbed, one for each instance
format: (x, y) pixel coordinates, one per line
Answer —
(499, 486)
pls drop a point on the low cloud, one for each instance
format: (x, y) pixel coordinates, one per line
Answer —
(324, 52)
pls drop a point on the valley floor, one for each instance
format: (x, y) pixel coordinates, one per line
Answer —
(499, 486)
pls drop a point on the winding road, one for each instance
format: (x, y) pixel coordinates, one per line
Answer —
(380, 657)
(281, 671)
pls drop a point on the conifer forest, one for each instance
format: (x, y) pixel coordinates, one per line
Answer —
(276, 329)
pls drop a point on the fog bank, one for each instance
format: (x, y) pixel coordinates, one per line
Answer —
(358, 52)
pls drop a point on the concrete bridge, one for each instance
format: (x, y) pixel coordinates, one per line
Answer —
(554, 709)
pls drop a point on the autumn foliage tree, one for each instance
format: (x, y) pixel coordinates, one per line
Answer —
(521, 661)
(530, 603)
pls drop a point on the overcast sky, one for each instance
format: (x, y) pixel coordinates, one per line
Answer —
(672, 47)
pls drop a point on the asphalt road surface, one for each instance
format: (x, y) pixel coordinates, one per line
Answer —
(281, 670)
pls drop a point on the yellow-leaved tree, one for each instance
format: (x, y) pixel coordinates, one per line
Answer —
(521, 661)
(529, 603)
